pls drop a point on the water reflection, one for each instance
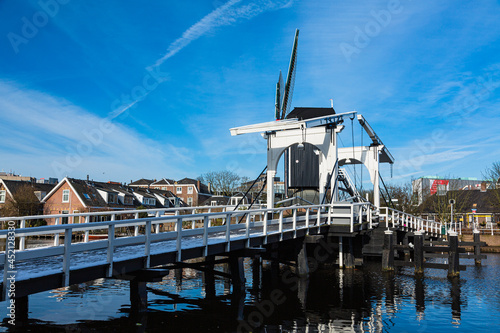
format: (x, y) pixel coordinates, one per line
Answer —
(275, 300)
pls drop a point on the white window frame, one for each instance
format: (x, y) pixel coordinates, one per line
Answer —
(3, 196)
(190, 201)
(190, 190)
(178, 190)
(213, 203)
(65, 192)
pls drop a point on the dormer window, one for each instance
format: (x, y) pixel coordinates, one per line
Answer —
(111, 198)
(2, 196)
(149, 201)
(65, 196)
(128, 200)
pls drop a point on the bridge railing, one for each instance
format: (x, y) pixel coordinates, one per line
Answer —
(397, 219)
(19, 222)
(193, 230)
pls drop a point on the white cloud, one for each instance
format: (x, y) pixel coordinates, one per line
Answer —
(44, 134)
(227, 14)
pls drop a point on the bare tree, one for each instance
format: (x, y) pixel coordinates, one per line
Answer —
(404, 198)
(24, 203)
(492, 174)
(222, 182)
(439, 203)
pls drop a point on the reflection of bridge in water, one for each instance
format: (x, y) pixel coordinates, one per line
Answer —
(331, 300)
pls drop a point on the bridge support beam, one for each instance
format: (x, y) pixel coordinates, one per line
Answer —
(453, 257)
(477, 248)
(388, 251)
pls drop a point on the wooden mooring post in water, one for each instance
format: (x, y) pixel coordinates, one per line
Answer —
(420, 250)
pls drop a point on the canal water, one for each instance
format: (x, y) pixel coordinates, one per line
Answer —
(331, 300)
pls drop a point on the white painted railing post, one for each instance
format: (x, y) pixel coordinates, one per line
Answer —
(111, 248)
(228, 232)
(329, 215)
(307, 220)
(264, 229)
(56, 236)
(352, 218)
(86, 237)
(393, 219)
(247, 231)
(157, 225)
(67, 256)
(178, 228)
(22, 241)
(280, 225)
(294, 223)
(147, 244)
(206, 221)
(136, 228)
(318, 216)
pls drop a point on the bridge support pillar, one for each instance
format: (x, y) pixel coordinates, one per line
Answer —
(477, 248)
(453, 258)
(209, 278)
(237, 272)
(349, 255)
(302, 262)
(388, 251)
(419, 252)
(138, 296)
(256, 269)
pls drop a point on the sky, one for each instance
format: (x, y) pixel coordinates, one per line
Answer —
(122, 90)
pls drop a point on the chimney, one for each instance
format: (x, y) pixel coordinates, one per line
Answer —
(88, 177)
(209, 187)
(198, 185)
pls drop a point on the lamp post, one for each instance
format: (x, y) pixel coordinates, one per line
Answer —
(452, 202)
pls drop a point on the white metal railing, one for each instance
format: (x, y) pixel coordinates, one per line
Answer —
(200, 229)
(408, 222)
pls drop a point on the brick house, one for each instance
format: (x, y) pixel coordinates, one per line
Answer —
(9, 190)
(190, 191)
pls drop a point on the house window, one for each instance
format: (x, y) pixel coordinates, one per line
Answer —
(65, 197)
(111, 198)
(213, 203)
(190, 201)
(76, 219)
(65, 219)
(128, 200)
(179, 190)
(2, 196)
(163, 188)
(190, 190)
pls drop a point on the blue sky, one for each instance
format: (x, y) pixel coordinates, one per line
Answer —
(122, 90)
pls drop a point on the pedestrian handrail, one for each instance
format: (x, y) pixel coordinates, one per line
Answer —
(397, 219)
(199, 228)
